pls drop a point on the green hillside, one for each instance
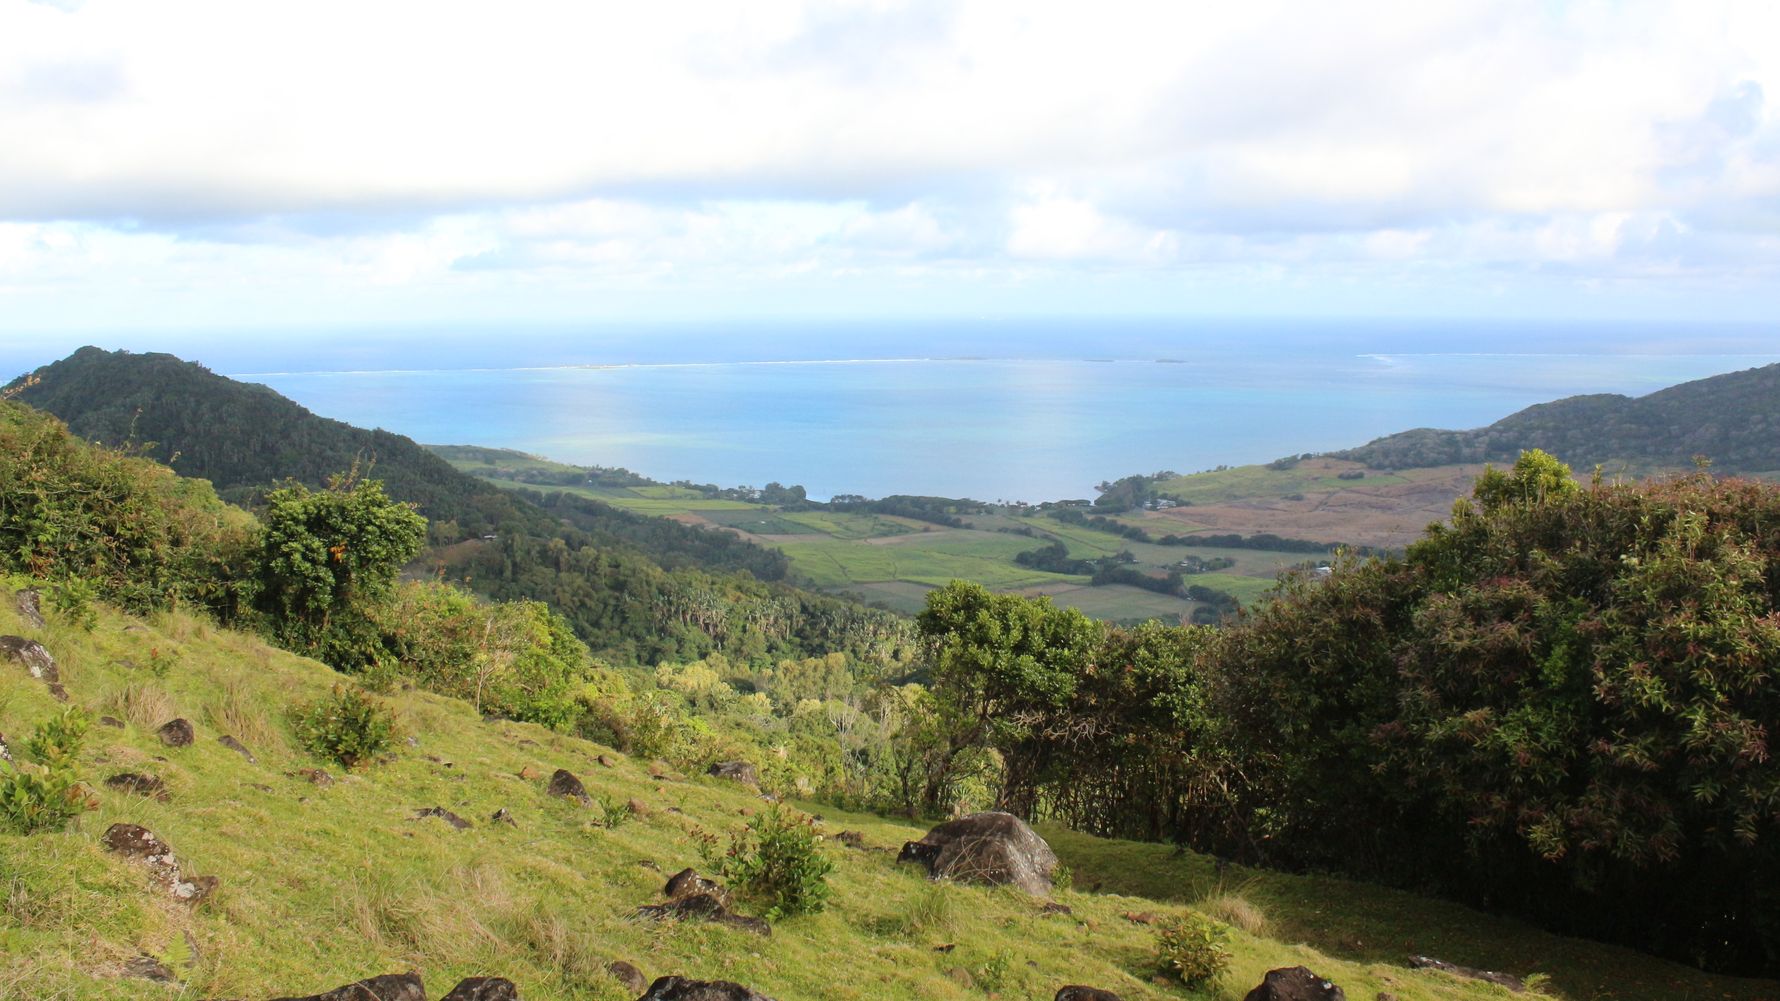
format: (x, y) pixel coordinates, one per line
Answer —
(620, 578)
(1731, 419)
(323, 884)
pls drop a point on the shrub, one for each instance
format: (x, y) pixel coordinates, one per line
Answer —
(131, 531)
(777, 861)
(1193, 948)
(348, 726)
(328, 558)
(613, 813)
(49, 795)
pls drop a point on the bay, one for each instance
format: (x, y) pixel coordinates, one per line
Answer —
(992, 428)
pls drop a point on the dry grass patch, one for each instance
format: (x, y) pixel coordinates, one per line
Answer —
(144, 705)
(236, 710)
(1233, 909)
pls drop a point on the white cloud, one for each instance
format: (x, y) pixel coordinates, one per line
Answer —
(186, 145)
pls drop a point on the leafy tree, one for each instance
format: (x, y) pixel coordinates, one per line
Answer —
(328, 557)
(999, 664)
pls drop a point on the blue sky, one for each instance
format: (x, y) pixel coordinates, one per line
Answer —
(185, 166)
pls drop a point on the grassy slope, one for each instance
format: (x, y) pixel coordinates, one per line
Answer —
(321, 886)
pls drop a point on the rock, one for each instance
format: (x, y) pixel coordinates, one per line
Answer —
(1076, 992)
(177, 733)
(389, 987)
(530, 773)
(1295, 984)
(1052, 907)
(605, 762)
(316, 776)
(638, 808)
(703, 907)
(30, 605)
(961, 976)
(852, 839)
(443, 814)
(1141, 917)
(564, 783)
(628, 975)
(37, 662)
(111, 721)
(238, 747)
(660, 770)
(682, 989)
(688, 881)
(146, 967)
(139, 844)
(503, 816)
(141, 785)
(740, 771)
(483, 989)
(995, 848)
(1507, 980)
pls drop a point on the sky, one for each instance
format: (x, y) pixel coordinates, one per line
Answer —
(232, 166)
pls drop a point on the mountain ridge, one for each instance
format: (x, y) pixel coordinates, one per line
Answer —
(1664, 429)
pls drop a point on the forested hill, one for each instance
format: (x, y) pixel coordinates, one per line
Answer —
(1732, 419)
(245, 438)
(638, 590)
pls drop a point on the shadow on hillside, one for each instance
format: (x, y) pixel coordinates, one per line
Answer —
(1366, 923)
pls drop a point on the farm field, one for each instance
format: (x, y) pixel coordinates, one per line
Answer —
(894, 560)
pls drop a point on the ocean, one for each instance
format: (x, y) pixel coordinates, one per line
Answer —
(990, 411)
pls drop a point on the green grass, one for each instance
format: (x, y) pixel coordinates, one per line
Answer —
(985, 557)
(322, 886)
(1247, 482)
(1119, 601)
(850, 525)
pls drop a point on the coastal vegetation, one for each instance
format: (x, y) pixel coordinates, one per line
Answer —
(1551, 705)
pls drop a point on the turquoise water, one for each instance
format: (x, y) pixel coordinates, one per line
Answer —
(991, 428)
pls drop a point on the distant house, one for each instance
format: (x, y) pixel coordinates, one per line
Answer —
(491, 538)
(1321, 572)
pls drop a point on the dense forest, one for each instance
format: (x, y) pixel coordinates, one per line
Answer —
(1732, 419)
(635, 588)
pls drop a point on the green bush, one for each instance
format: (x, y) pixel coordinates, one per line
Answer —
(348, 727)
(130, 531)
(1193, 947)
(46, 797)
(778, 862)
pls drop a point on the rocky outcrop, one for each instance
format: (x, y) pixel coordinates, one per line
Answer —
(1076, 992)
(142, 785)
(703, 907)
(565, 784)
(994, 848)
(687, 882)
(682, 989)
(139, 844)
(146, 967)
(1507, 980)
(177, 733)
(37, 661)
(740, 771)
(628, 975)
(389, 987)
(30, 606)
(443, 814)
(483, 989)
(1295, 983)
(238, 747)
